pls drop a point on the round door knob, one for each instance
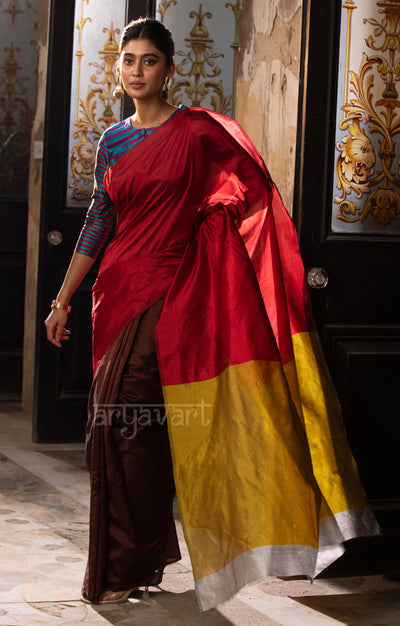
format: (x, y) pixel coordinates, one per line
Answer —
(54, 237)
(317, 277)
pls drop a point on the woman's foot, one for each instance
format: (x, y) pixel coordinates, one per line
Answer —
(112, 597)
(115, 597)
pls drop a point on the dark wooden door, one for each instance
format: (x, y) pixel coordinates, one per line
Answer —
(357, 312)
(13, 217)
(63, 377)
(17, 96)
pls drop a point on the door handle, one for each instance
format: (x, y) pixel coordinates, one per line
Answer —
(317, 277)
(54, 237)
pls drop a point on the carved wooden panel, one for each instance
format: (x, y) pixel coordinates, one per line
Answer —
(365, 364)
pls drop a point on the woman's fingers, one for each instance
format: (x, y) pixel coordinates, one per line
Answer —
(61, 333)
(55, 327)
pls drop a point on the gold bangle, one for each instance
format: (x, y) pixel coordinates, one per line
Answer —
(60, 305)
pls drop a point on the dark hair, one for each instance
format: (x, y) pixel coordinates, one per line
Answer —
(154, 31)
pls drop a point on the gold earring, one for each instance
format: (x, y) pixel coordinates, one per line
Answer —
(165, 88)
(118, 92)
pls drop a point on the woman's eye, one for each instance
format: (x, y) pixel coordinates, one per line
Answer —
(149, 62)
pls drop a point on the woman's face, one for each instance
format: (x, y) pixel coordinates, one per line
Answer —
(143, 69)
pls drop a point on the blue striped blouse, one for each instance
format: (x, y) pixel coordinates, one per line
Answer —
(115, 140)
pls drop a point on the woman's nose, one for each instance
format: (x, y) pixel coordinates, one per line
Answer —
(137, 68)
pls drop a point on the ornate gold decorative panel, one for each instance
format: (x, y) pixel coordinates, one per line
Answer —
(18, 71)
(366, 182)
(206, 39)
(93, 109)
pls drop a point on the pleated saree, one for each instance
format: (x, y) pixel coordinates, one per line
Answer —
(209, 377)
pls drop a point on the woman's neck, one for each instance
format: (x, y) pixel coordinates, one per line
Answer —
(150, 114)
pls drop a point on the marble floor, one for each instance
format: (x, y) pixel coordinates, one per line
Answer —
(44, 498)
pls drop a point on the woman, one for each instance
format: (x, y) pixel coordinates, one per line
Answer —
(201, 304)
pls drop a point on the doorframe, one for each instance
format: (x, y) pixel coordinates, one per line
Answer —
(317, 57)
(29, 372)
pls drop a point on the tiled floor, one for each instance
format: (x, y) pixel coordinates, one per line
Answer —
(43, 535)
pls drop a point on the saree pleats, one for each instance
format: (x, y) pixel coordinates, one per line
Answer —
(132, 531)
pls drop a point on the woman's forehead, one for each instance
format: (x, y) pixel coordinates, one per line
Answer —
(141, 47)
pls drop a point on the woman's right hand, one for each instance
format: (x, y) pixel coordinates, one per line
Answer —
(55, 323)
(55, 327)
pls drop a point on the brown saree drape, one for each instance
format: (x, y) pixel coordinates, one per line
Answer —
(132, 531)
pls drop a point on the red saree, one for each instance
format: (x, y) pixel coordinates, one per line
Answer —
(265, 480)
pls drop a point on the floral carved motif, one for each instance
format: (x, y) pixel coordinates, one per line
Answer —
(197, 73)
(15, 125)
(198, 69)
(90, 123)
(14, 9)
(359, 166)
(163, 7)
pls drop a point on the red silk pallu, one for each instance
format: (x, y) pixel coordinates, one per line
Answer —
(265, 480)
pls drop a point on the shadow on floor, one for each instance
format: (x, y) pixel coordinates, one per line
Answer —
(166, 608)
(378, 608)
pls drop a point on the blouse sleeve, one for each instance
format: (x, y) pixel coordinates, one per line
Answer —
(100, 215)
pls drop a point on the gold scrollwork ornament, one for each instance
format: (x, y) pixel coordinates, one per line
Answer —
(349, 211)
(197, 70)
(383, 204)
(355, 162)
(357, 157)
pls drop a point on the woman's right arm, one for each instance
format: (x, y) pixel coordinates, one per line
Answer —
(98, 224)
(55, 322)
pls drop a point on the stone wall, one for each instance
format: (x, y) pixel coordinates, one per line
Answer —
(268, 83)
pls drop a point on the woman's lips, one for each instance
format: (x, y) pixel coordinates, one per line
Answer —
(137, 85)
